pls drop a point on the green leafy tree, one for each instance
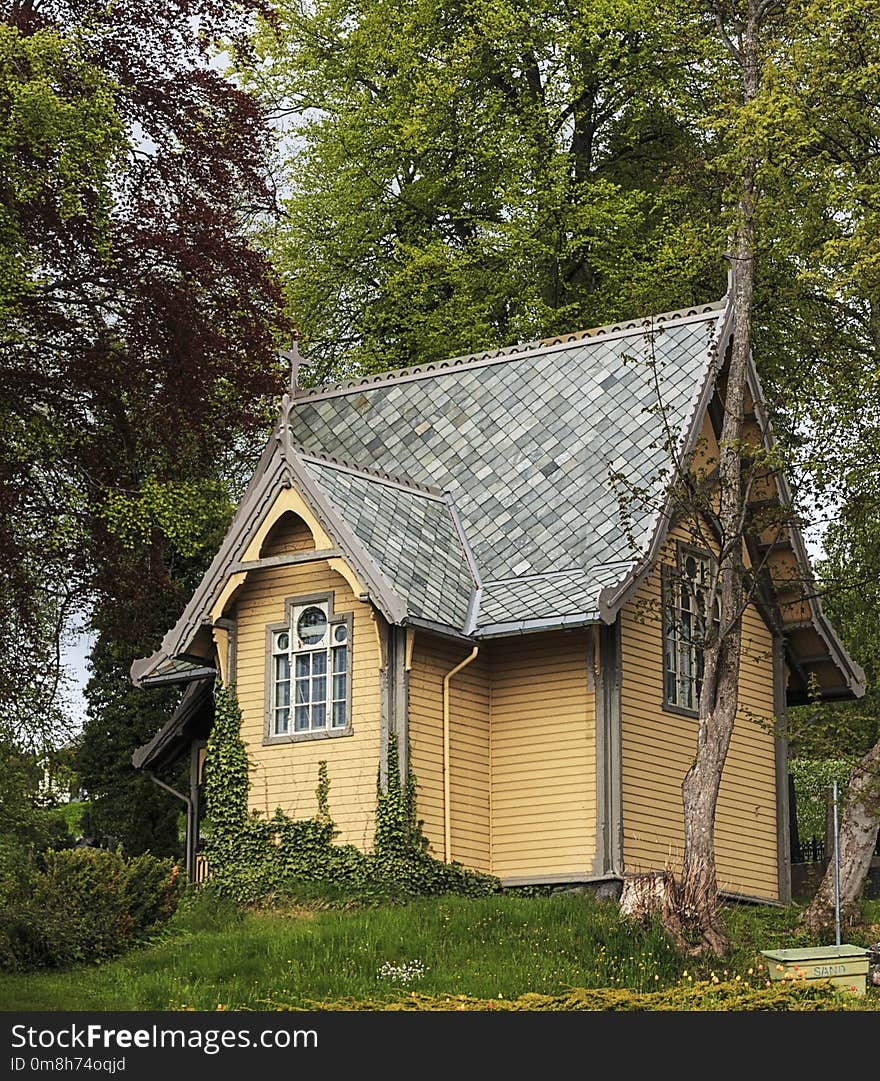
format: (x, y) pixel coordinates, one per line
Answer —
(462, 176)
(61, 139)
(125, 807)
(818, 338)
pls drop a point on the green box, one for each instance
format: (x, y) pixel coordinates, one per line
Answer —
(846, 966)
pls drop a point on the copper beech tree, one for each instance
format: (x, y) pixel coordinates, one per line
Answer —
(137, 344)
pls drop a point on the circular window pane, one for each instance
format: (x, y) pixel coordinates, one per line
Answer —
(282, 642)
(341, 633)
(311, 626)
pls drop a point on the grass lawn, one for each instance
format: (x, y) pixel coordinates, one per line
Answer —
(494, 948)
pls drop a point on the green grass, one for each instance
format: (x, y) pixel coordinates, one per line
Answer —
(487, 948)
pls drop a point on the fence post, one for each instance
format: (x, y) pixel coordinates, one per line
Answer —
(793, 835)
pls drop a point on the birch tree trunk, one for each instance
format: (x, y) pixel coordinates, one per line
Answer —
(719, 698)
(858, 839)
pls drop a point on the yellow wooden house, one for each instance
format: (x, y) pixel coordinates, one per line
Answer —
(471, 554)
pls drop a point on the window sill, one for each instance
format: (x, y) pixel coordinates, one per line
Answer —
(681, 711)
(307, 737)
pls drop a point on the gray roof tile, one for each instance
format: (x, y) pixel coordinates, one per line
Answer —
(525, 444)
(411, 535)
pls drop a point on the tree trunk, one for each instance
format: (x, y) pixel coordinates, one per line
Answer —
(858, 839)
(653, 894)
(719, 697)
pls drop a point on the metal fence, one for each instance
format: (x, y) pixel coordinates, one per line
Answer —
(812, 850)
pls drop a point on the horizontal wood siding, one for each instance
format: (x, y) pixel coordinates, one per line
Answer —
(285, 775)
(432, 659)
(289, 534)
(658, 747)
(543, 756)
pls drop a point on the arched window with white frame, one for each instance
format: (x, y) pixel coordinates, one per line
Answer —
(309, 684)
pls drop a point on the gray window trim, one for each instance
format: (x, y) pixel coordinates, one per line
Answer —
(682, 548)
(333, 618)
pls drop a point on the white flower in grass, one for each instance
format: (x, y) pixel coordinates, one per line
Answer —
(405, 972)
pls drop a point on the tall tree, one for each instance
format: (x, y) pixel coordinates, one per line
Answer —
(138, 346)
(739, 26)
(786, 106)
(463, 175)
(826, 174)
(61, 140)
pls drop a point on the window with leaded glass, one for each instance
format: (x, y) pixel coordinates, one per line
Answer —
(687, 605)
(310, 672)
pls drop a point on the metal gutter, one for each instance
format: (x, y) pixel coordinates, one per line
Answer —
(447, 800)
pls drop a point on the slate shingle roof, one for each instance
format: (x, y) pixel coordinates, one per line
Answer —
(411, 535)
(536, 448)
(560, 598)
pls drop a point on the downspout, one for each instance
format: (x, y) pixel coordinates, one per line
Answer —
(447, 807)
(190, 840)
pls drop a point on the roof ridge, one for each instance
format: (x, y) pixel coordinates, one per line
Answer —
(509, 352)
(395, 479)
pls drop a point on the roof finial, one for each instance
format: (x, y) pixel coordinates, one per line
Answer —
(730, 259)
(292, 356)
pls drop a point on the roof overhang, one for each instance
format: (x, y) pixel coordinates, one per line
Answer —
(191, 720)
(812, 646)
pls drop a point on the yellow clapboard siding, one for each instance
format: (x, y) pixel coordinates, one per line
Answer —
(432, 659)
(658, 747)
(289, 534)
(285, 775)
(543, 756)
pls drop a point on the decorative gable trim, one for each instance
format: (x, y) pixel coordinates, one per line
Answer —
(281, 469)
(500, 356)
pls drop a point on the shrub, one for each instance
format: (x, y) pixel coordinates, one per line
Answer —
(84, 905)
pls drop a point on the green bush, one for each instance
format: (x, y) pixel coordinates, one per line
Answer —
(812, 778)
(84, 904)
